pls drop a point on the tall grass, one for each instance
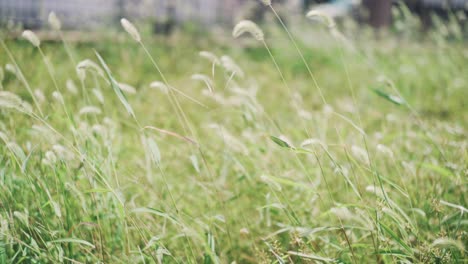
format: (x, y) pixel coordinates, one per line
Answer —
(306, 145)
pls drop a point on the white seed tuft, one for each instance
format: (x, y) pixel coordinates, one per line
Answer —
(247, 26)
(62, 152)
(266, 2)
(127, 88)
(54, 22)
(57, 211)
(231, 66)
(244, 231)
(98, 95)
(39, 96)
(89, 65)
(360, 154)
(385, 150)
(58, 96)
(11, 100)
(375, 190)
(322, 17)
(210, 56)
(342, 212)
(159, 85)
(81, 73)
(71, 87)
(90, 110)
(131, 29)
(328, 109)
(50, 158)
(207, 80)
(312, 141)
(31, 37)
(10, 68)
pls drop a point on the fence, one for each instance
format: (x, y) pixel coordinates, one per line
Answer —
(83, 14)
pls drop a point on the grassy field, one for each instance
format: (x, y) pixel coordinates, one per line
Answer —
(236, 154)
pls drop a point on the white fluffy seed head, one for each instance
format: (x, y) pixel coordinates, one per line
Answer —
(50, 158)
(385, 150)
(131, 29)
(10, 100)
(89, 65)
(210, 56)
(312, 142)
(375, 190)
(10, 68)
(39, 96)
(360, 154)
(266, 2)
(31, 37)
(159, 85)
(81, 74)
(71, 87)
(62, 152)
(54, 22)
(247, 26)
(89, 109)
(204, 78)
(321, 16)
(231, 66)
(98, 95)
(244, 231)
(58, 96)
(127, 88)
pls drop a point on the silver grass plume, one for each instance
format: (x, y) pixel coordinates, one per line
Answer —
(31, 37)
(131, 29)
(54, 22)
(247, 26)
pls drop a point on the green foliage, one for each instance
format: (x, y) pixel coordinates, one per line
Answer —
(380, 175)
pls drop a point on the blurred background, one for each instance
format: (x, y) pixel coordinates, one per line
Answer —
(167, 15)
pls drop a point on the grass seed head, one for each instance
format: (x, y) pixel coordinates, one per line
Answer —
(131, 29)
(384, 150)
(58, 96)
(207, 80)
(90, 110)
(89, 65)
(360, 154)
(247, 26)
(71, 87)
(54, 22)
(11, 100)
(210, 56)
(39, 96)
(50, 158)
(98, 94)
(321, 16)
(266, 2)
(10, 68)
(159, 85)
(127, 88)
(231, 66)
(31, 37)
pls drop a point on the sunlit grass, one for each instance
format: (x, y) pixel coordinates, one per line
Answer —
(222, 156)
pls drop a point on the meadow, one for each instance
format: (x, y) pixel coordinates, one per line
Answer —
(320, 144)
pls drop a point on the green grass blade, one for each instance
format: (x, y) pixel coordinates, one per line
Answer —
(115, 85)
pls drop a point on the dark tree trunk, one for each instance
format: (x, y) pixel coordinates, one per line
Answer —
(379, 12)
